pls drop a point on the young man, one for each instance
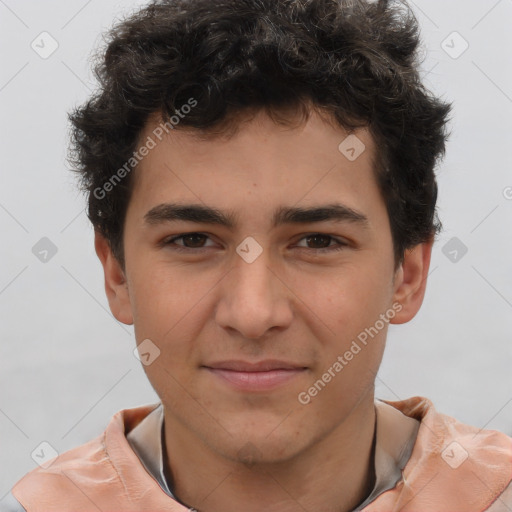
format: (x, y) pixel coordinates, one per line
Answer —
(260, 176)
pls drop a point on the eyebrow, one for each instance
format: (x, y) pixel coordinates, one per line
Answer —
(169, 212)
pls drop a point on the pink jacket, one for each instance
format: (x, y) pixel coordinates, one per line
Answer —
(105, 474)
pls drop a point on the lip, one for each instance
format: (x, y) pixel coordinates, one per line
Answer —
(259, 376)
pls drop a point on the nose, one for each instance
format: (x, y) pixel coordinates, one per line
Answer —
(254, 299)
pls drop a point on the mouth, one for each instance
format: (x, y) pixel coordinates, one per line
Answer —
(259, 376)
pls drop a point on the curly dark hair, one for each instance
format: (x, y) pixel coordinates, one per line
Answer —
(354, 59)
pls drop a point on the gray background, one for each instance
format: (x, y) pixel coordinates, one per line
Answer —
(66, 365)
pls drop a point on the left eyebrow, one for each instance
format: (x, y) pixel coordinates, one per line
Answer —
(332, 212)
(169, 212)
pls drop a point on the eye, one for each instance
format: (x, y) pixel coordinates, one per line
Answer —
(323, 240)
(190, 241)
(195, 242)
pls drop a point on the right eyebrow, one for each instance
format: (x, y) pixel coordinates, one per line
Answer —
(168, 212)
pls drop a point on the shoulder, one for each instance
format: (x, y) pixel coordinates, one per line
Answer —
(84, 470)
(453, 466)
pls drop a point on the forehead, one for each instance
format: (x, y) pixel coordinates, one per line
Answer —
(260, 164)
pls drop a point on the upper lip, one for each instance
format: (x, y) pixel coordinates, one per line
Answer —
(260, 366)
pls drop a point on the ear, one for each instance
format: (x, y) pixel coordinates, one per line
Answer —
(116, 286)
(411, 281)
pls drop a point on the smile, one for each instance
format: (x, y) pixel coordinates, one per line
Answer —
(262, 376)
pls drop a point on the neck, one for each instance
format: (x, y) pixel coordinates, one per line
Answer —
(336, 473)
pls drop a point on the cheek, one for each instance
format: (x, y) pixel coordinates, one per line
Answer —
(171, 307)
(348, 299)
(352, 348)
(163, 297)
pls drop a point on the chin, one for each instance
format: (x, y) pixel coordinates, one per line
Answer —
(263, 452)
(256, 445)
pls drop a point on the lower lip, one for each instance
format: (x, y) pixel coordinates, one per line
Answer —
(256, 381)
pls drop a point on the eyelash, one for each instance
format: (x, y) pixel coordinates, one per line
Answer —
(170, 242)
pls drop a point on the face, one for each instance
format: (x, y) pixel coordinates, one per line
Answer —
(261, 268)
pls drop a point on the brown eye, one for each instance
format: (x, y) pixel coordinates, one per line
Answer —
(319, 241)
(193, 240)
(189, 241)
(322, 243)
